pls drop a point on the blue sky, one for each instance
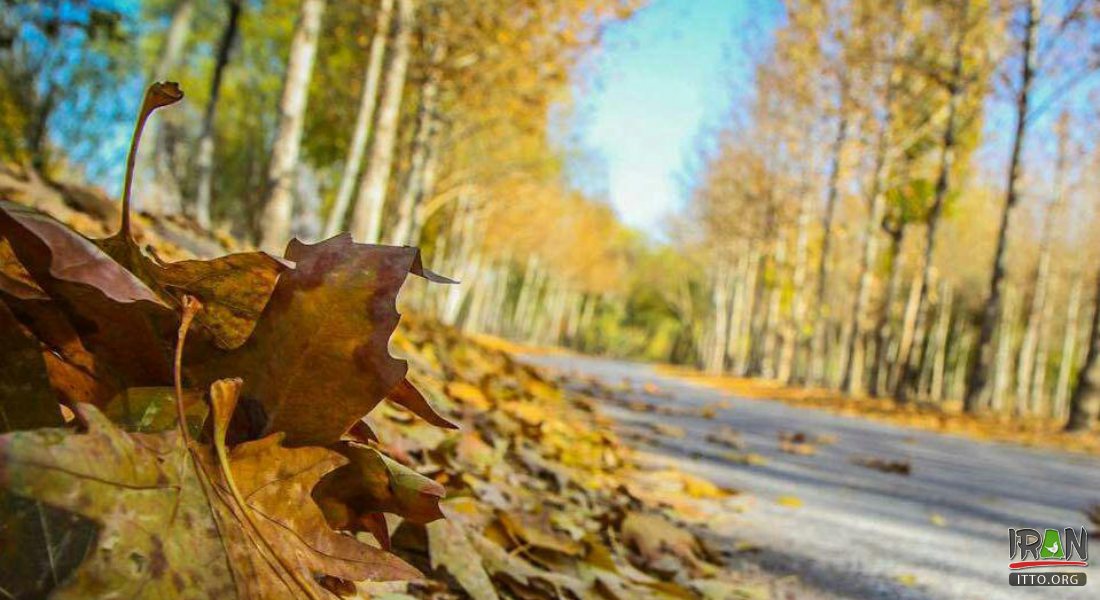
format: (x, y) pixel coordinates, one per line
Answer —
(660, 81)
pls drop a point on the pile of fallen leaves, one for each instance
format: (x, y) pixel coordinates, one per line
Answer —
(170, 424)
(543, 501)
(946, 417)
(216, 428)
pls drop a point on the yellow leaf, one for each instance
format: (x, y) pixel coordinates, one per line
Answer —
(789, 501)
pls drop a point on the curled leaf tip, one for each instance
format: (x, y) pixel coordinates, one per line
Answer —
(162, 93)
(191, 305)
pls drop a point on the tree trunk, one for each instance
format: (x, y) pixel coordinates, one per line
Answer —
(882, 331)
(588, 316)
(737, 310)
(833, 192)
(161, 193)
(962, 357)
(908, 334)
(494, 318)
(716, 355)
(1033, 353)
(480, 296)
(978, 376)
(421, 174)
(856, 326)
(943, 184)
(1028, 349)
(795, 325)
(527, 288)
(943, 331)
(279, 206)
(366, 224)
(1084, 404)
(467, 260)
(1069, 347)
(744, 349)
(368, 99)
(204, 162)
(1003, 367)
(1042, 357)
(772, 325)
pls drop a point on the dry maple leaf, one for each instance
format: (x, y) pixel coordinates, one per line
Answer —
(319, 357)
(14, 278)
(169, 526)
(26, 400)
(449, 549)
(233, 289)
(372, 482)
(117, 316)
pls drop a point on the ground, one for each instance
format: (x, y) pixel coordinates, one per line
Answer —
(843, 529)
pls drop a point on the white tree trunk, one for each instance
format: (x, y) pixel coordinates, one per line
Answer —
(795, 326)
(716, 355)
(943, 331)
(421, 173)
(368, 99)
(279, 207)
(366, 223)
(1069, 354)
(160, 193)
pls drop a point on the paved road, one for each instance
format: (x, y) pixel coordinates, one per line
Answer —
(939, 533)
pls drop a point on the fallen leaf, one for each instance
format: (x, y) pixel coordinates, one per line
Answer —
(906, 579)
(26, 400)
(168, 527)
(117, 315)
(233, 289)
(153, 410)
(450, 550)
(726, 436)
(744, 458)
(468, 394)
(323, 339)
(797, 448)
(53, 255)
(660, 545)
(406, 395)
(789, 501)
(371, 482)
(667, 430)
(896, 467)
(14, 278)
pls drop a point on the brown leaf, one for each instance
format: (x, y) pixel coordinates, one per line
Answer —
(371, 482)
(896, 467)
(535, 532)
(322, 340)
(52, 252)
(40, 545)
(408, 396)
(233, 290)
(75, 373)
(661, 546)
(14, 278)
(117, 315)
(169, 526)
(450, 550)
(26, 400)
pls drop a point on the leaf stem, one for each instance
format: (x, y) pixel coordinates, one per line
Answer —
(158, 95)
(191, 307)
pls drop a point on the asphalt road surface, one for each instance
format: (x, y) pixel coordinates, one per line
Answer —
(940, 532)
